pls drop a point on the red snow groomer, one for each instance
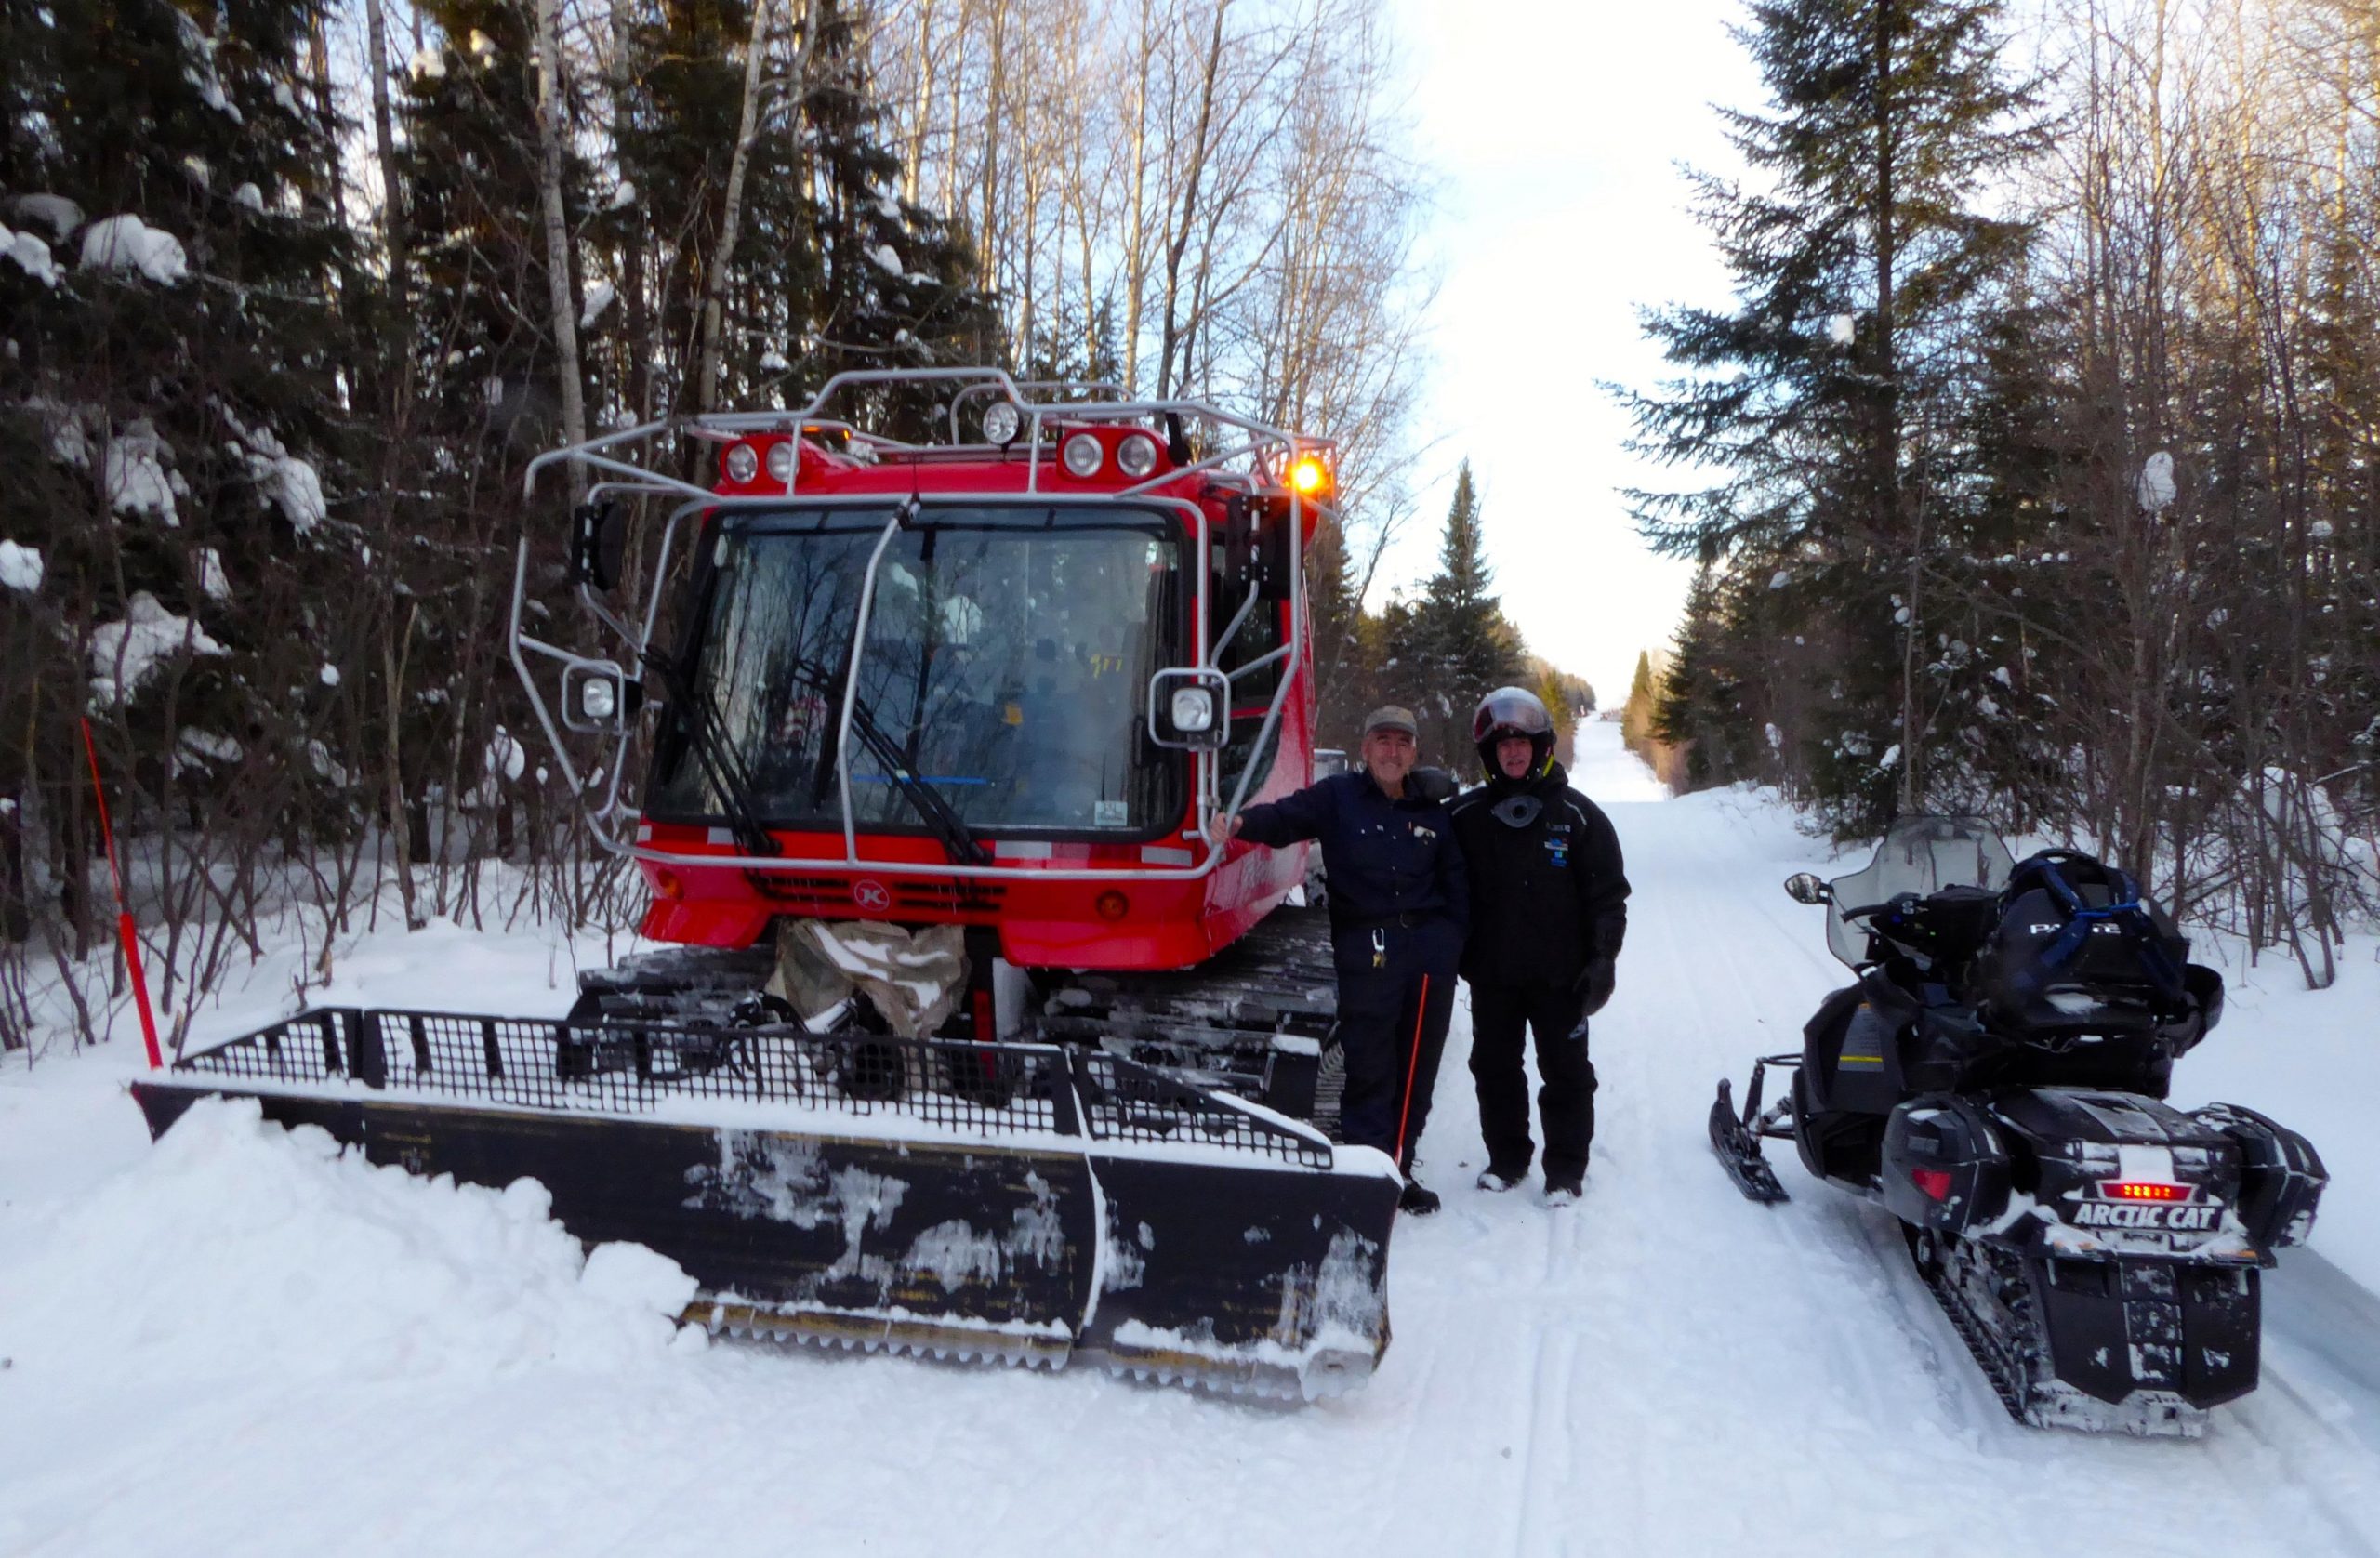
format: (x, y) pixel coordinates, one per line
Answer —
(970, 1043)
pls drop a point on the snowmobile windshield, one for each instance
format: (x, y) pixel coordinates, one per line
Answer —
(1006, 666)
(1920, 855)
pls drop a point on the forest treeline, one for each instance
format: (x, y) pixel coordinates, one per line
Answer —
(291, 291)
(1436, 652)
(2034, 469)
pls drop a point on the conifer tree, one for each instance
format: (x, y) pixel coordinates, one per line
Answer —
(1829, 394)
(172, 418)
(1462, 642)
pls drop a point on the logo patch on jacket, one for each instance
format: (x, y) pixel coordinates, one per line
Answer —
(1557, 849)
(1420, 831)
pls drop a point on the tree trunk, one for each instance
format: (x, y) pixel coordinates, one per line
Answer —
(559, 269)
(732, 216)
(639, 363)
(393, 187)
(1136, 270)
(1170, 343)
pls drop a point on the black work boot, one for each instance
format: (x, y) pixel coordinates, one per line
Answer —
(1497, 1181)
(1418, 1200)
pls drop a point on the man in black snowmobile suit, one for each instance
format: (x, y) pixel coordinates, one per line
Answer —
(1397, 907)
(1548, 909)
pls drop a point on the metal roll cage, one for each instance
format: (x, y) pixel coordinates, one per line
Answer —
(607, 458)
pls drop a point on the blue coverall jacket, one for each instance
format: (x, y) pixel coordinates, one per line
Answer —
(1400, 906)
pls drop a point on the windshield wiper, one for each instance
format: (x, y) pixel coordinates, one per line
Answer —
(940, 817)
(715, 753)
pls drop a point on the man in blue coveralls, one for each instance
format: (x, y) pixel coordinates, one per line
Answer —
(1399, 907)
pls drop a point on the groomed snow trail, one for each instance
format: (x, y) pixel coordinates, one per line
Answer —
(1664, 1368)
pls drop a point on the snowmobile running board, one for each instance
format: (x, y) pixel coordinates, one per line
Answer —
(1025, 1203)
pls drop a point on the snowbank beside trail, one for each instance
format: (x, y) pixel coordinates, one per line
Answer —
(236, 1250)
(2311, 1059)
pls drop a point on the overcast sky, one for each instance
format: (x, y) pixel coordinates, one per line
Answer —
(1557, 128)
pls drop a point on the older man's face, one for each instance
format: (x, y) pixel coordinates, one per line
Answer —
(1389, 755)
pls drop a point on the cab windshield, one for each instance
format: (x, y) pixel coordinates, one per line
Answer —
(1007, 662)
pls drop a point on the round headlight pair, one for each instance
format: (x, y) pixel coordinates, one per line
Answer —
(1135, 454)
(743, 461)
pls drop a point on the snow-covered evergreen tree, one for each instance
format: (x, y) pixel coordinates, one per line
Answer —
(176, 419)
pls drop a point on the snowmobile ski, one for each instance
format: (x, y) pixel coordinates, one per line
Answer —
(1735, 1139)
(1025, 1203)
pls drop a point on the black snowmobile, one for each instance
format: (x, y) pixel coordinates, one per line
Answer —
(1995, 1080)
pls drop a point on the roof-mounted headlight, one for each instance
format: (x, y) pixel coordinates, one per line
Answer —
(1002, 422)
(1136, 456)
(781, 460)
(741, 462)
(1083, 456)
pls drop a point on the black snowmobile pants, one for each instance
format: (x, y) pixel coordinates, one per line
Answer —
(1390, 1035)
(1566, 1101)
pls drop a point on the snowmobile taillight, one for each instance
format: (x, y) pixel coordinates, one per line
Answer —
(1112, 904)
(2138, 1190)
(1935, 1182)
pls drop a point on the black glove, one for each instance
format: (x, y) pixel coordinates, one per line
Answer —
(1595, 986)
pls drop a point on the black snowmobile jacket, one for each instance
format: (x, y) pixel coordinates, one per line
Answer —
(1546, 896)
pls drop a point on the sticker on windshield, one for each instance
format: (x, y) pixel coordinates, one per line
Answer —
(1111, 813)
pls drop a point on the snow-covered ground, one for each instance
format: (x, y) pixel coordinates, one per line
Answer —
(233, 1343)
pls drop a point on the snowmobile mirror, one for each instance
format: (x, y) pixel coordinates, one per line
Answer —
(1190, 708)
(1804, 888)
(597, 540)
(597, 696)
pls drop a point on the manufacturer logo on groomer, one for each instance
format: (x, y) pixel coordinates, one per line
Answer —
(869, 894)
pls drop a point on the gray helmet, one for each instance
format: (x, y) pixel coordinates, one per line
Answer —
(1513, 711)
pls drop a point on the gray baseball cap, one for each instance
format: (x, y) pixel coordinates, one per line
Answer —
(1388, 717)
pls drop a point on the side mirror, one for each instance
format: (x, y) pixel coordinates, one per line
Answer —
(1190, 709)
(597, 696)
(1804, 888)
(598, 535)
